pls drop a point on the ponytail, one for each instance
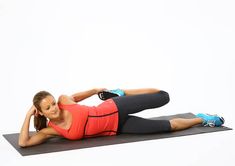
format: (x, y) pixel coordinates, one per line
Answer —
(40, 122)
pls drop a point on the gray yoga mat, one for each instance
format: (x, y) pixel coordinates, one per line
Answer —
(61, 144)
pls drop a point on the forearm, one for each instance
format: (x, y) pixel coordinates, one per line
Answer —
(130, 92)
(83, 95)
(24, 133)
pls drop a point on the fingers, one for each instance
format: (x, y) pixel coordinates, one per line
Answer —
(33, 111)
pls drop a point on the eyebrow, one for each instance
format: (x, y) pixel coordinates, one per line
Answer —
(53, 101)
(50, 103)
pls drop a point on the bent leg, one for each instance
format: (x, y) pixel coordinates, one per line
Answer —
(132, 104)
(137, 103)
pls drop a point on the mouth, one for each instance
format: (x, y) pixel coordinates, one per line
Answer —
(54, 112)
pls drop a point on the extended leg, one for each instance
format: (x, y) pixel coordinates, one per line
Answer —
(181, 123)
(138, 125)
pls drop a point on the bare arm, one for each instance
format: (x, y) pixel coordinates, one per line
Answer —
(26, 140)
(85, 94)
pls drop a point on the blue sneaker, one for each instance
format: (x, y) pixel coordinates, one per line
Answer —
(119, 92)
(211, 120)
(107, 94)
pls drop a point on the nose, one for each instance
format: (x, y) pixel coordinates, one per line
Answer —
(53, 108)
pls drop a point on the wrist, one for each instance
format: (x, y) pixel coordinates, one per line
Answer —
(95, 91)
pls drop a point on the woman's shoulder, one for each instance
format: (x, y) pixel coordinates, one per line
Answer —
(65, 100)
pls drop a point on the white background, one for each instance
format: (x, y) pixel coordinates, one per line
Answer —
(65, 46)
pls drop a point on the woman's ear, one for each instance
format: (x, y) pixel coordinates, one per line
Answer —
(38, 113)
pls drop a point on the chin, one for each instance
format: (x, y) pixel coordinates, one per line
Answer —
(56, 115)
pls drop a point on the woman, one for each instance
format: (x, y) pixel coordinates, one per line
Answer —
(74, 121)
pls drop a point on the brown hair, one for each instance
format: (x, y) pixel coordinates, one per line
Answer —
(40, 121)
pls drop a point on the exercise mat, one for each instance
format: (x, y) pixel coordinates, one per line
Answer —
(62, 144)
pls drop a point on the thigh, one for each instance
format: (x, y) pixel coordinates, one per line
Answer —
(138, 125)
(136, 103)
(132, 104)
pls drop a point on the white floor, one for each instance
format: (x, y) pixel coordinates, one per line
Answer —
(183, 47)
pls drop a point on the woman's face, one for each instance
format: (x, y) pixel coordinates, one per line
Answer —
(50, 108)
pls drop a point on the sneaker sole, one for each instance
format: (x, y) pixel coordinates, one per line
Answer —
(106, 95)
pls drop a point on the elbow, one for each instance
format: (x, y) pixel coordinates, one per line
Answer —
(22, 144)
(62, 98)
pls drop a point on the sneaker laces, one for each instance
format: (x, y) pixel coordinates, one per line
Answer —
(210, 123)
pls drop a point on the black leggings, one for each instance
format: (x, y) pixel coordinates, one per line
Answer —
(132, 104)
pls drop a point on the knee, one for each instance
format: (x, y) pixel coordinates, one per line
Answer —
(166, 96)
(173, 125)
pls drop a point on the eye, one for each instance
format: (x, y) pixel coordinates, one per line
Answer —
(48, 108)
(53, 103)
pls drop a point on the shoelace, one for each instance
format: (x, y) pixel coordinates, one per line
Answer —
(210, 123)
